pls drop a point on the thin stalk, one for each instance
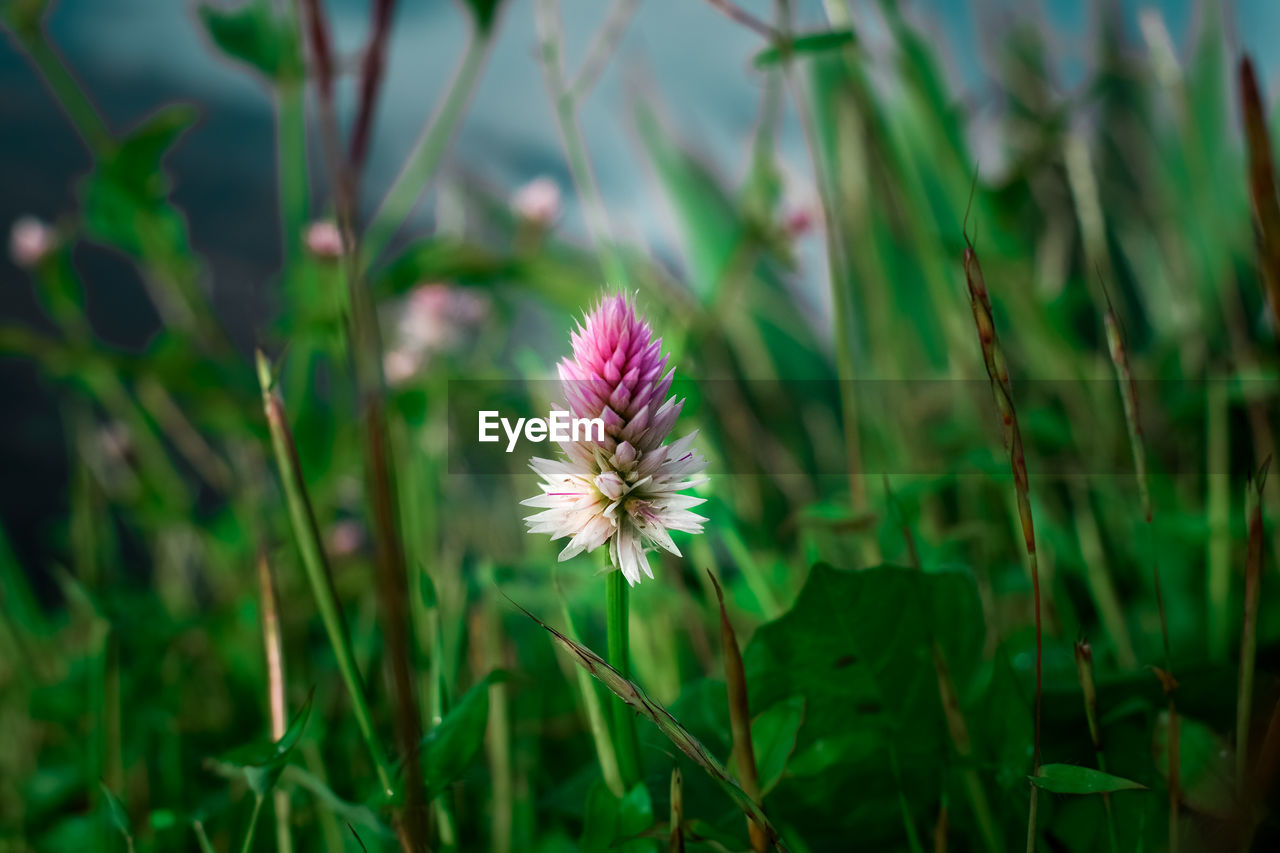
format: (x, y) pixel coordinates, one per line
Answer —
(253, 824)
(741, 16)
(1133, 423)
(602, 47)
(1249, 630)
(740, 719)
(365, 341)
(626, 744)
(551, 39)
(427, 152)
(1218, 448)
(839, 274)
(310, 545)
(371, 70)
(1084, 669)
(1002, 390)
(274, 649)
(67, 91)
(1101, 582)
(291, 168)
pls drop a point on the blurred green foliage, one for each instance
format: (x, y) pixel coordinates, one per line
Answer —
(125, 693)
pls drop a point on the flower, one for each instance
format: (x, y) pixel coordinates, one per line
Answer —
(324, 240)
(626, 489)
(537, 201)
(433, 318)
(30, 241)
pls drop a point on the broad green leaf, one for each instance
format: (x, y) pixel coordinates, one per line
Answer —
(1071, 779)
(773, 736)
(856, 646)
(254, 34)
(809, 43)
(116, 811)
(449, 747)
(1206, 765)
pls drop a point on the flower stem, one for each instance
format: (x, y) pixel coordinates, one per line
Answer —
(624, 725)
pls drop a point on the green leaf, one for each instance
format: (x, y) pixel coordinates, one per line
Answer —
(773, 738)
(821, 42)
(1206, 765)
(116, 811)
(856, 644)
(1071, 779)
(449, 747)
(611, 824)
(352, 813)
(635, 817)
(709, 224)
(253, 34)
(126, 195)
(262, 763)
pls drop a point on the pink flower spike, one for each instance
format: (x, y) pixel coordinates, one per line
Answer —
(626, 489)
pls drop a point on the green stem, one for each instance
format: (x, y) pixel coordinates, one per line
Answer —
(1219, 510)
(67, 91)
(291, 166)
(427, 152)
(307, 534)
(624, 725)
(547, 14)
(596, 719)
(253, 824)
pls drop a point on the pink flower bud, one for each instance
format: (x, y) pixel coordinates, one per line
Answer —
(538, 201)
(30, 242)
(324, 240)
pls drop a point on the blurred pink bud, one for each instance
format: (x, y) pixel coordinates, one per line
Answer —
(399, 366)
(432, 318)
(345, 538)
(798, 221)
(30, 241)
(538, 201)
(324, 240)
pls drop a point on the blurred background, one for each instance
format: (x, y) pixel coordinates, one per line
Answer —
(791, 221)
